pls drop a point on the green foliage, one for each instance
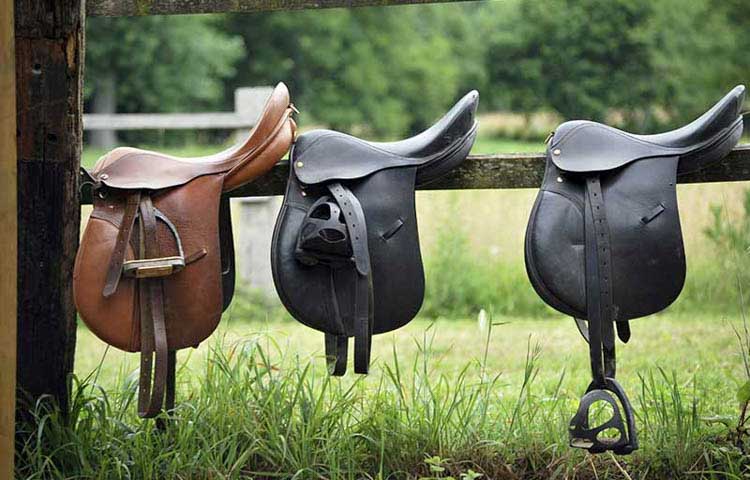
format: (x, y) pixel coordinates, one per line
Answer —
(161, 63)
(581, 58)
(639, 63)
(251, 412)
(387, 70)
(731, 238)
(461, 281)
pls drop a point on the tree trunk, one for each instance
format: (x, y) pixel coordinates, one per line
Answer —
(105, 101)
(49, 38)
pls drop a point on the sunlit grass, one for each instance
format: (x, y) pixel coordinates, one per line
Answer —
(255, 402)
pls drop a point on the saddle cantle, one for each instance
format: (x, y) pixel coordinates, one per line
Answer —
(155, 268)
(345, 252)
(604, 245)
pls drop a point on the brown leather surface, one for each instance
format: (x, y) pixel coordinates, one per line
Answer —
(133, 168)
(192, 296)
(187, 191)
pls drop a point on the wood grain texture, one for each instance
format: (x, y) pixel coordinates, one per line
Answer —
(118, 8)
(499, 171)
(8, 238)
(49, 67)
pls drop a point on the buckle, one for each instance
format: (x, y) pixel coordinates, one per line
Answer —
(153, 267)
(582, 436)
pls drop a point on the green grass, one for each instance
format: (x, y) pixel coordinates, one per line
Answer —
(254, 401)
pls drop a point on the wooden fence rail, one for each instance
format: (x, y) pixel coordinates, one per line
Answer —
(499, 172)
(111, 8)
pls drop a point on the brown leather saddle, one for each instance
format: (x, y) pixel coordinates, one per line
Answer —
(154, 270)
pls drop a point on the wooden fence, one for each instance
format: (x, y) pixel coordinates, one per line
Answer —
(40, 141)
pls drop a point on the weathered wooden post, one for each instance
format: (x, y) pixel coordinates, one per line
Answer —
(49, 38)
(8, 238)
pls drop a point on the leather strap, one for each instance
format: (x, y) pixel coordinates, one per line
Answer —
(598, 284)
(336, 353)
(114, 270)
(154, 348)
(354, 217)
(601, 337)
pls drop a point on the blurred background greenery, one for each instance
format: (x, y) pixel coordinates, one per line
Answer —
(388, 72)
(644, 65)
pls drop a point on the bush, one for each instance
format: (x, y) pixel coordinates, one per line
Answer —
(460, 282)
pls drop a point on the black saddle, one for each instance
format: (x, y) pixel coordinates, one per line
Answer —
(345, 252)
(604, 245)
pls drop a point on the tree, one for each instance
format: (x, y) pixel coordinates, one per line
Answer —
(158, 64)
(387, 70)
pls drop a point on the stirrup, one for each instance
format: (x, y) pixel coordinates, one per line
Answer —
(581, 436)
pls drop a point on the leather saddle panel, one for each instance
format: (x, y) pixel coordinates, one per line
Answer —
(638, 175)
(193, 296)
(648, 261)
(317, 295)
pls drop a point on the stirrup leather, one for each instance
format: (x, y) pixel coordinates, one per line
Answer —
(334, 233)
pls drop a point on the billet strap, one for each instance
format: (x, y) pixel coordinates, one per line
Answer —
(114, 270)
(226, 242)
(336, 353)
(154, 347)
(354, 217)
(598, 283)
(623, 330)
(161, 422)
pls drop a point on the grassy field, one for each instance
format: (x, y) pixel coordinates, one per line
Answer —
(254, 401)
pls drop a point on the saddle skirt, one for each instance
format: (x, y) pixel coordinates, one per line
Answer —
(154, 269)
(345, 252)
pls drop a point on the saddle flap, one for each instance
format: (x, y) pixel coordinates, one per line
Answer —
(324, 155)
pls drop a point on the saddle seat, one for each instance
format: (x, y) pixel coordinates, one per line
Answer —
(577, 145)
(134, 168)
(325, 155)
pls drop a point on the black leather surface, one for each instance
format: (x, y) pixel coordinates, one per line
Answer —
(583, 146)
(382, 178)
(638, 181)
(603, 242)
